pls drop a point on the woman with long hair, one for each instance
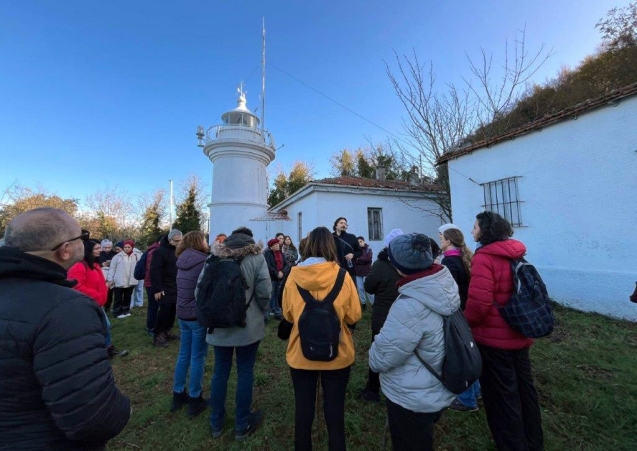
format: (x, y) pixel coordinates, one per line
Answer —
(90, 281)
(456, 256)
(315, 277)
(290, 252)
(120, 276)
(510, 399)
(191, 252)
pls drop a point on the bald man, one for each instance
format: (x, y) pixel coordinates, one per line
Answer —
(56, 384)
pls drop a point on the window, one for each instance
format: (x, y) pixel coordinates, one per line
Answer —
(375, 223)
(502, 197)
(299, 223)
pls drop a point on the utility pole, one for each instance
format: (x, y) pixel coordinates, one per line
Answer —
(263, 80)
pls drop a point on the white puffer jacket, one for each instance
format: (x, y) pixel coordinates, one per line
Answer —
(415, 324)
(122, 269)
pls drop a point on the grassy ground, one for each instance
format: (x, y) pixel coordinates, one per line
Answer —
(586, 374)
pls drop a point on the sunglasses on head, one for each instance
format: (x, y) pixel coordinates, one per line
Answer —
(84, 237)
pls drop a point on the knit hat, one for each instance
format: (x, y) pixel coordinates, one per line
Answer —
(119, 244)
(105, 243)
(410, 254)
(129, 242)
(273, 241)
(444, 227)
(391, 235)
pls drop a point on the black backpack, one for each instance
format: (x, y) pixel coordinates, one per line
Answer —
(140, 267)
(221, 294)
(319, 325)
(462, 365)
(529, 310)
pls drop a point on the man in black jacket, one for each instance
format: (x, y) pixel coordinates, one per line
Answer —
(57, 389)
(347, 247)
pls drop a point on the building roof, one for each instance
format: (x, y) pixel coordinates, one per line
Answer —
(610, 98)
(376, 183)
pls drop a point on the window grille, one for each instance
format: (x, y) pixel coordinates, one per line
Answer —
(299, 220)
(502, 196)
(375, 223)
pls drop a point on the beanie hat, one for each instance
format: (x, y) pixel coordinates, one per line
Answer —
(119, 244)
(391, 235)
(130, 242)
(106, 243)
(410, 254)
(273, 241)
(444, 227)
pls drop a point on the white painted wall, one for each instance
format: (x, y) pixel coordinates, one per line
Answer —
(579, 187)
(322, 209)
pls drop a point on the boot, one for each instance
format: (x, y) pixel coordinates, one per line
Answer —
(633, 297)
(179, 399)
(196, 406)
(171, 337)
(159, 341)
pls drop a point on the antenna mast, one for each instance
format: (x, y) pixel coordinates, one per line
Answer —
(263, 80)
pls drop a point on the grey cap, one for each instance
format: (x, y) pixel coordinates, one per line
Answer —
(411, 253)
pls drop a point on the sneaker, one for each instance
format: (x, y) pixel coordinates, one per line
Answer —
(459, 407)
(196, 406)
(113, 352)
(159, 341)
(368, 395)
(254, 421)
(127, 315)
(123, 315)
(179, 399)
(216, 433)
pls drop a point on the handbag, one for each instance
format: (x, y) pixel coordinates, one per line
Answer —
(285, 329)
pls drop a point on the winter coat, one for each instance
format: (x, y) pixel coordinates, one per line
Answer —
(121, 270)
(318, 279)
(346, 243)
(459, 273)
(491, 280)
(149, 258)
(57, 389)
(91, 282)
(255, 272)
(189, 266)
(363, 264)
(414, 324)
(106, 256)
(290, 255)
(271, 262)
(381, 282)
(163, 272)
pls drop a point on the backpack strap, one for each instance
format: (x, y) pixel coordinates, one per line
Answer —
(429, 367)
(331, 296)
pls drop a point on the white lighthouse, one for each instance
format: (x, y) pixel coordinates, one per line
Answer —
(240, 152)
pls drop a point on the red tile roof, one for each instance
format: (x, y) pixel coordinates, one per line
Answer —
(613, 96)
(375, 183)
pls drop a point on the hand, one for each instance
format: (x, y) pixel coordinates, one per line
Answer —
(280, 275)
(349, 256)
(110, 284)
(159, 295)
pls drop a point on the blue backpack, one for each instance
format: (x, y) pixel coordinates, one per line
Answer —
(529, 310)
(140, 267)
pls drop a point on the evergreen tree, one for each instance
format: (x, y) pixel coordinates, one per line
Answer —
(279, 192)
(188, 215)
(150, 229)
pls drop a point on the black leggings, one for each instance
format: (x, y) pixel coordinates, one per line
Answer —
(121, 301)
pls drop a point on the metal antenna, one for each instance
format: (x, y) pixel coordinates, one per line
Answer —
(263, 80)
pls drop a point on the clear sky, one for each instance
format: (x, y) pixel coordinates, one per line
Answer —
(111, 92)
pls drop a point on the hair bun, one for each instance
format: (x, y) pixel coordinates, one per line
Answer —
(421, 242)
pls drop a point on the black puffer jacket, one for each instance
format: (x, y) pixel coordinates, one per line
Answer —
(459, 273)
(381, 282)
(56, 384)
(163, 272)
(346, 243)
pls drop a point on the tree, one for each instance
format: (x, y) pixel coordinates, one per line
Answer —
(619, 29)
(300, 175)
(110, 213)
(364, 167)
(279, 192)
(343, 164)
(154, 208)
(441, 121)
(189, 209)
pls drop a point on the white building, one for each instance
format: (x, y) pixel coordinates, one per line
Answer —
(568, 184)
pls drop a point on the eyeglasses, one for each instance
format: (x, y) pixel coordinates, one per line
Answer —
(84, 237)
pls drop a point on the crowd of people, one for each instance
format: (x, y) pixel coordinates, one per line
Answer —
(56, 384)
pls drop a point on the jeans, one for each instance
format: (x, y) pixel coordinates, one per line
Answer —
(138, 295)
(274, 303)
(510, 399)
(334, 383)
(246, 356)
(411, 431)
(151, 313)
(121, 300)
(469, 397)
(109, 339)
(192, 354)
(360, 280)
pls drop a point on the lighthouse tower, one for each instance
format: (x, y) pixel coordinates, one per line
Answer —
(239, 151)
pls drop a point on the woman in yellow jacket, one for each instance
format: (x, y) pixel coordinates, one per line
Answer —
(318, 273)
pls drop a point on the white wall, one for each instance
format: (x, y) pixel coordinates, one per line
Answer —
(579, 187)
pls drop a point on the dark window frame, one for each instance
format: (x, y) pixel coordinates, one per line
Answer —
(374, 225)
(503, 197)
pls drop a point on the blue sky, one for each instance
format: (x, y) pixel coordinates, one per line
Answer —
(95, 93)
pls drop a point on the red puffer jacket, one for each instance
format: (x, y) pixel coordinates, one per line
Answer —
(491, 280)
(91, 282)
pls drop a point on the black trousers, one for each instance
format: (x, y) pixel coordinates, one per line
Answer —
(510, 399)
(373, 379)
(121, 300)
(165, 318)
(109, 300)
(151, 313)
(410, 431)
(334, 383)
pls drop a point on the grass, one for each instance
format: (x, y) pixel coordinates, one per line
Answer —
(585, 372)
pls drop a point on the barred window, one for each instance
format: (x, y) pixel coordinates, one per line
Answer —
(502, 197)
(299, 217)
(375, 223)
